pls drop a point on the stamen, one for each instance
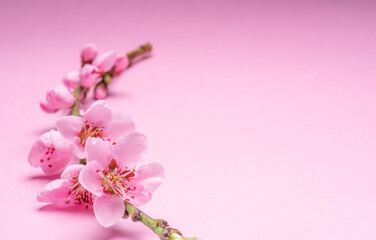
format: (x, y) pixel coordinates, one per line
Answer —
(90, 131)
(79, 195)
(115, 181)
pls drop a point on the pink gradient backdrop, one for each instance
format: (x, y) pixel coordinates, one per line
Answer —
(263, 114)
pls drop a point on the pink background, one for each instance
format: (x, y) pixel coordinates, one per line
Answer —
(263, 114)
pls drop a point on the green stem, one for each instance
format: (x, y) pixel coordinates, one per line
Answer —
(139, 53)
(77, 102)
(158, 226)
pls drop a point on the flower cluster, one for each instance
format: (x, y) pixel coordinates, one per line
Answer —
(111, 150)
(99, 154)
(96, 71)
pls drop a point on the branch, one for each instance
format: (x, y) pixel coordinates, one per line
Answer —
(158, 226)
(139, 53)
(134, 56)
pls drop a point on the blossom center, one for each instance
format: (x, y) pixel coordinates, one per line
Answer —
(79, 195)
(89, 130)
(47, 155)
(117, 181)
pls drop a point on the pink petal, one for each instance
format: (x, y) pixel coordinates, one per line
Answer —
(51, 152)
(72, 79)
(108, 209)
(130, 150)
(89, 52)
(90, 179)
(47, 107)
(99, 151)
(56, 192)
(105, 61)
(78, 148)
(141, 196)
(100, 91)
(70, 126)
(60, 97)
(99, 114)
(120, 126)
(150, 176)
(121, 63)
(72, 171)
(89, 75)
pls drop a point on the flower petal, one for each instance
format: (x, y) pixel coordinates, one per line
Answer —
(122, 62)
(105, 61)
(51, 152)
(108, 209)
(120, 126)
(90, 179)
(150, 176)
(89, 74)
(89, 52)
(72, 171)
(99, 114)
(56, 192)
(141, 196)
(47, 107)
(130, 149)
(78, 148)
(72, 79)
(70, 126)
(60, 97)
(99, 151)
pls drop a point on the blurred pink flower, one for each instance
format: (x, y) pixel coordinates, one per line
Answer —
(89, 53)
(67, 191)
(57, 98)
(97, 122)
(100, 91)
(111, 175)
(72, 79)
(105, 61)
(89, 75)
(121, 64)
(51, 152)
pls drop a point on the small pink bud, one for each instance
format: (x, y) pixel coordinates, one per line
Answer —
(100, 91)
(72, 79)
(57, 98)
(105, 61)
(47, 108)
(121, 64)
(51, 152)
(89, 75)
(89, 53)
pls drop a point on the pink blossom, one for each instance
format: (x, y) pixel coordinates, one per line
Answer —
(89, 75)
(121, 64)
(67, 191)
(72, 79)
(111, 174)
(97, 122)
(57, 98)
(100, 91)
(105, 61)
(51, 152)
(89, 53)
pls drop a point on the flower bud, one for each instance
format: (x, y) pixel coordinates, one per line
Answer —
(47, 108)
(72, 79)
(105, 61)
(51, 152)
(89, 75)
(100, 91)
(89, 53)
(121, 64)
(57, 98)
